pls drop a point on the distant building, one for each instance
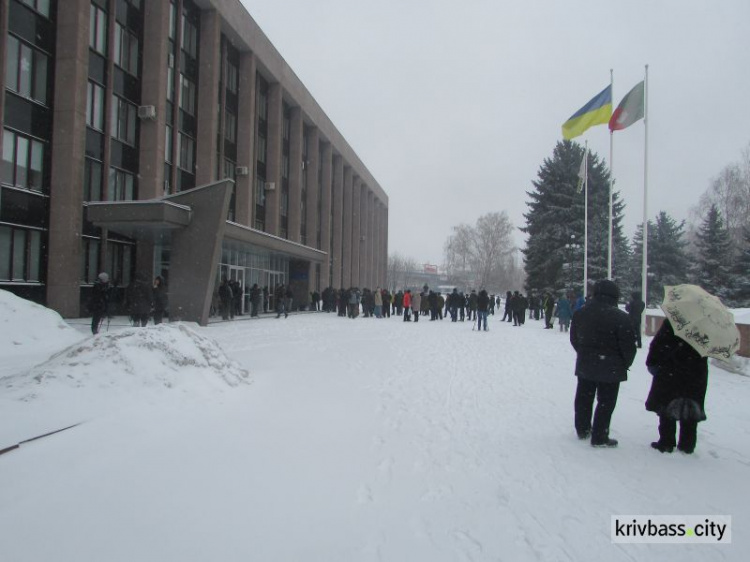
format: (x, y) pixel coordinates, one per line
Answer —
(170, 137)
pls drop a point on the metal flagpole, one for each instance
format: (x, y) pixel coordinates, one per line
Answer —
(644, 265)
(586, 219)
(611, 180)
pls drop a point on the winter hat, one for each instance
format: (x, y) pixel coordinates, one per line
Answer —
(103, 277)
(606, 288)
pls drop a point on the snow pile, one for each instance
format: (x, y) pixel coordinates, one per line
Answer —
(163, 356)
(27, 327)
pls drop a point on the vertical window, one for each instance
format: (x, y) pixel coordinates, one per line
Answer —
(9, 158)
(168, 145)
(262, 150)
(186, 148)
(92, 180)
(6, 239)
(19, 255)
(232, 74)
(170, 83)
(123, 120)
(189, 37)
(187, 95)
(230, 127)
(95, 106)
(35, 255)
(172, 21)
(98, 30)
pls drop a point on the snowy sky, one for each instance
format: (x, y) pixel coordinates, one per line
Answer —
(454, 106)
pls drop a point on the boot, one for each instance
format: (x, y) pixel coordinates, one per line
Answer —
(606, 442)
(662, 447)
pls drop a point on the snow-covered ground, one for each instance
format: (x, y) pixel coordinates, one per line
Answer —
(317, 438)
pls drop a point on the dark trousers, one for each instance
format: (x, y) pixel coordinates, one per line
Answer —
(688, 433)
(96, 322)
(606, 400)
(637, 330)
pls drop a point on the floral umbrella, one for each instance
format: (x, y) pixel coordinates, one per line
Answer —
(702, 320)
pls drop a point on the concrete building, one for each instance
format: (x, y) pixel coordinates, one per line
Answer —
(170, 137)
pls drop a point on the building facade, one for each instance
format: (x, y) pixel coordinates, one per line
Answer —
(169, 137)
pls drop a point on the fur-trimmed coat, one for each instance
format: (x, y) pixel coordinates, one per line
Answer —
(678, 389)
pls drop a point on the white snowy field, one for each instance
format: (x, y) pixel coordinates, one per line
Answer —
(317, 438)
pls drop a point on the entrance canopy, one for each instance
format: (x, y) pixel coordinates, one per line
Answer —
(195, 224)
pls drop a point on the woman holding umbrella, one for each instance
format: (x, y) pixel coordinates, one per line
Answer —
(697, 325)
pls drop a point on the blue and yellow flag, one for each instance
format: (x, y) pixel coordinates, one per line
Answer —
(595, 112)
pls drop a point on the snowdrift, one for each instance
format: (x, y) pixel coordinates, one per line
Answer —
(27, 327)
(171, 356)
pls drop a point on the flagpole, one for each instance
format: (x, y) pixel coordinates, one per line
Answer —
(611, 180)
(644, 264)
(586, 220)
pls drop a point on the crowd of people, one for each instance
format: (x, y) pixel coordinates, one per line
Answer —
(604, 338)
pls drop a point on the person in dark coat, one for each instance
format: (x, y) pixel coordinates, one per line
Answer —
(140, 298)
(508, 307)
(548, 303)
(635, 308)
(678, 389)
(225, 296)
(160, 299)
(483, 305)
(255, 295)
(603, 339)
(99, 301)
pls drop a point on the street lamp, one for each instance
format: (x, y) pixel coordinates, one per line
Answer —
(571, 248)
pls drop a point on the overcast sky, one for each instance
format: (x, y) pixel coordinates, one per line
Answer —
(453, 106)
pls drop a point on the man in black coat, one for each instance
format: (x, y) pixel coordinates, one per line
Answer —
(635, 308)
(604, 342)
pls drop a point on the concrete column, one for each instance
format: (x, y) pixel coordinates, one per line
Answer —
(273, 161)
(370, 239)
(246, 139)
(356, 231)
(326, 163)
(68, 149)
(312, 167)
(208, 97)
(376, 241)
(346, 260)
(153, 92)
(296, 131)
(384, 246)
(337, 200)
(3, 47)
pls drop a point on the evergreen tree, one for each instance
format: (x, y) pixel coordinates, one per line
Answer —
(668, 262)
(713, 256)
(741, 274)
(553, 256)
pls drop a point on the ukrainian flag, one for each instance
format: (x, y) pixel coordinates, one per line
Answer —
(595, 112)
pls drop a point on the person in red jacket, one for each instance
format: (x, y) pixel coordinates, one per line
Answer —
(407, 306)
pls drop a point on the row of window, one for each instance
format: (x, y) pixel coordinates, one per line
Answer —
(126, 43)
(26, 70)
(119, 261)
(23, 161)
(41, 6)
(121, 184)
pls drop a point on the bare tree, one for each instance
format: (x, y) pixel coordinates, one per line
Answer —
(730, 193)
(402, 272)
(481, 256)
